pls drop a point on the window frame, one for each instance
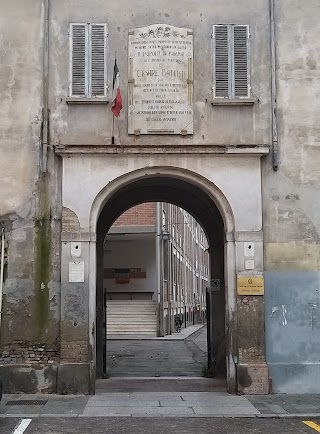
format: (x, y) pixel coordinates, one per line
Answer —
(231, 98)
(87, 96)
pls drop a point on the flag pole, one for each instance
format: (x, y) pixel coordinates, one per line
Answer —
(112, 138)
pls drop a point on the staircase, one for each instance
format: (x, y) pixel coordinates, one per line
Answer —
(131, 319)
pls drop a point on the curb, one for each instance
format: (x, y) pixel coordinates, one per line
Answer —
(194, 416)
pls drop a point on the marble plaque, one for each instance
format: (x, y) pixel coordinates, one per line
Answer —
(160, 87)
(76, 271)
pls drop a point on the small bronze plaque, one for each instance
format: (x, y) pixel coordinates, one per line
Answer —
(250, 285)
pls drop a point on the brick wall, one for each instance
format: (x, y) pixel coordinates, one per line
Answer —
(20, 352)
(143, 214)
(74, 352)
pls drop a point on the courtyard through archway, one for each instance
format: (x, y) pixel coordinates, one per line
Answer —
(203, 207)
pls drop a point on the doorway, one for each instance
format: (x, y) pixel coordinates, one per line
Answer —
(156, 276)
(204, 207)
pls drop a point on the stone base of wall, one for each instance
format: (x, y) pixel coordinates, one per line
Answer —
(64, 378)
(29, 379)
(295, 377)
(73, 378)
(253, 378)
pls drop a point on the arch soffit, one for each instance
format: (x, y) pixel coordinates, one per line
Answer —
(189, 177)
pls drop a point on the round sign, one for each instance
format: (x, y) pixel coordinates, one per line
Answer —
(215, 283)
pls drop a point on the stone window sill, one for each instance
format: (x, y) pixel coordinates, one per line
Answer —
(76, 100)
(235, 101)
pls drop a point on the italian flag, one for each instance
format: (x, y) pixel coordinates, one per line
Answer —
(116, 95)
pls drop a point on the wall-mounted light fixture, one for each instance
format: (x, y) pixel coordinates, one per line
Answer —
(165, 235)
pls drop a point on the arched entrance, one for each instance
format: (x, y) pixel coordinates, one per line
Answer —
(209, 206)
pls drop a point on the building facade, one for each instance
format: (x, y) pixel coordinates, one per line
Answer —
(155, 252)
(235, 142)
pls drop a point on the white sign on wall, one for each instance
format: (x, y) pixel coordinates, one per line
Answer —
(160, 88)
(76, 271)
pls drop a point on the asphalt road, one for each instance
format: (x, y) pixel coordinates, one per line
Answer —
(146, 425)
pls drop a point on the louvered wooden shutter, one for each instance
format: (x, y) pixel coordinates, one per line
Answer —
(98, 60)
(221, 56)
(78, 60)
(240, 43)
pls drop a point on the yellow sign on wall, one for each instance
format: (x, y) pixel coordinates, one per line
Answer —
(250, 285)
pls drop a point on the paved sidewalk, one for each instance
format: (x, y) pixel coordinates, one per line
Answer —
(283, 405)
(161, 404)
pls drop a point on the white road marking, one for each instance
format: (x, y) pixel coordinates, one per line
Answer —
(23, 425)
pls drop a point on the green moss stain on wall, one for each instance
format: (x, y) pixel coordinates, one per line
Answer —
(42, 265)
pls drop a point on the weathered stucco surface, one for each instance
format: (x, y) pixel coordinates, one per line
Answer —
(75, 124)
(31, 288)
(291, 205)
(283, 220)
(20, 108)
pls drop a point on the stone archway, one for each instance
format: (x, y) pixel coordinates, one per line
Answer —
(207, 203)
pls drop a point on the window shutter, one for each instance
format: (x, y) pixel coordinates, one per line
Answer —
(221, 61)
(78, 59)
(98, 59)
(240, 37)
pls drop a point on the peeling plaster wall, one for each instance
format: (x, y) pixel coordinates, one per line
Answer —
(30, 204)
(80, 124)
(20, 124)
(291, 206)
(20, 108)
(31, 291)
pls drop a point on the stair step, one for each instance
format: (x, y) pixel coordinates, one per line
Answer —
(132, 303)
(148, 325)
(131, 329)
(151, 318)
(131, 312)
(131, 318)
(139, 332)
(111, 312)
(131, 308)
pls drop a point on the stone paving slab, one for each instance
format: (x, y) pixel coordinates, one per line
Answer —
(165, 404)
(160, 384)
(294, 405)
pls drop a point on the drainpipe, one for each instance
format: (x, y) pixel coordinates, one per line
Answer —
(1, 271)
(45, 81)
(274, 108)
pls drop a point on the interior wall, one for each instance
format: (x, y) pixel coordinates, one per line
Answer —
(139, 253)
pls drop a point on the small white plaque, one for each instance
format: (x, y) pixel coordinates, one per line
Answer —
(249, 264)
(75, 249)
(76, 271)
